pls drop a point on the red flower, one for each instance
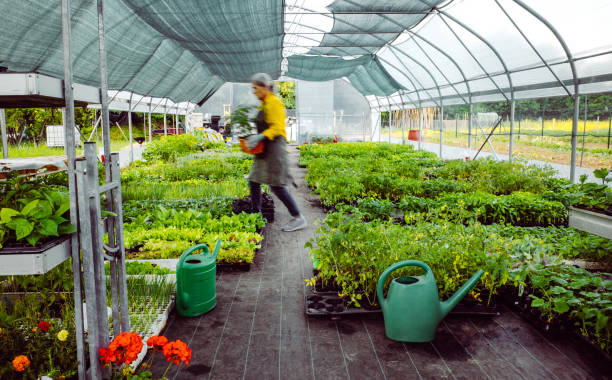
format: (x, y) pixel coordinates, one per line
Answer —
(177, 352)
(43, 326)
(157, 342)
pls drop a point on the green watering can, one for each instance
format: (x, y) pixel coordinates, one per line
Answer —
(195, 281)
(412, 309)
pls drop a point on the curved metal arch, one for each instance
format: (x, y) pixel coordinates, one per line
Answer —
(489, 45)
(439, 50)
(576, 96)
(409, 99)
(559, 38)
(388, 44)
(385, 44)
(368, 53)
(533, 48)
(441, 72)
(467, 83)
(501, 60)
(415, 78)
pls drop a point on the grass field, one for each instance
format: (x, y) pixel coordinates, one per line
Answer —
(118, 142)
(552, 144)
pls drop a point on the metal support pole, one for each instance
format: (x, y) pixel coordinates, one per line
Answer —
(144, 125)
(5, 143)
(510, 143)
(130, 130)
(97, 232)
(456, 124)
(364, 120)
(403, 124)
(69, 147)
(85, 230)
(390, 118)
(379, 125)
(584, 128)
(104, 119)
(542, 122)
(104, 90)
(609, 129)
(120, 259)
(150, 132)
(420, 126)
(574, 138)
(441, 126)
(470, 118)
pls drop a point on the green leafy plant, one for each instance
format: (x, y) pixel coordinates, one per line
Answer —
(242, 121)
(32, 212)
(602, 174)
(169, 148)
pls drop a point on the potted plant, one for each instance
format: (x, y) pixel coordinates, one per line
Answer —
(243, 126)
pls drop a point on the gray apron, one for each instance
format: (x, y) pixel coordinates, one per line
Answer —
(271, 167)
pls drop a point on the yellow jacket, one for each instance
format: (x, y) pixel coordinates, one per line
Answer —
(274, 115)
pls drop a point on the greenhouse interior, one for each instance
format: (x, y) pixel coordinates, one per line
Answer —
(436, 198)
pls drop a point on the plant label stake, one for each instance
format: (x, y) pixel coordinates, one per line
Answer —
(412, 309)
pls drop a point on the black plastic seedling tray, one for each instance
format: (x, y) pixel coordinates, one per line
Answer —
(16, 248)
(330, 304)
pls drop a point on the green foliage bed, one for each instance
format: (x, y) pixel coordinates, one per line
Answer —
(183, 198)
(390, 203)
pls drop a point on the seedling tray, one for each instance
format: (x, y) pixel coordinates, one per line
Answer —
(19, 248)
(330, 304)
(34, 260)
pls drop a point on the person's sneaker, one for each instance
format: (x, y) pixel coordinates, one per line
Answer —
(296, 223)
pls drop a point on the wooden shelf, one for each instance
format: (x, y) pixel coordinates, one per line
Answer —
(27, 263)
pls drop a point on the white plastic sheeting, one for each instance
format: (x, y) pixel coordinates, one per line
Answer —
(483, 50)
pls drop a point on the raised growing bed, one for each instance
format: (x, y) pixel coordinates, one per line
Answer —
(592, 222)
(24, 260)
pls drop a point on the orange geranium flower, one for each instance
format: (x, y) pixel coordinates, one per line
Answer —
(21, 363)
(157, 342)
(123, 349)
(177, 352)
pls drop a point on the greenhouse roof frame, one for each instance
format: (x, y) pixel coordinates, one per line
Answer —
(205, 47)
(441, 52)
(446, 17)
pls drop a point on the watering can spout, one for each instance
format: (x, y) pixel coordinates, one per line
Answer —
(449, 304)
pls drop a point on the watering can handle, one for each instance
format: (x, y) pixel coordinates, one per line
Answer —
(198, 247)
(396, 266)
(203, 247)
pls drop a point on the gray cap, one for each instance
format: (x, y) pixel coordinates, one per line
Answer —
(262, 78)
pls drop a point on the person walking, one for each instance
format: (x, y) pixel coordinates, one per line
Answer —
(272, 167)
